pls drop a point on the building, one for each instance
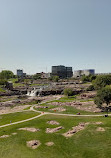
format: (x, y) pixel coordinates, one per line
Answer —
(87, 72)
(20, 73)
(62, 71)
(69, 72)
(45, 75)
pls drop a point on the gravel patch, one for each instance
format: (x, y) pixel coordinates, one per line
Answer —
(29, 129)
(52, 122)
(75, 129)
(4, 136)
(33, 144)
(53, 130)
(59, 109)
(100, 129)
(49, 143)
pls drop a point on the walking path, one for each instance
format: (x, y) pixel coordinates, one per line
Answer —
(14, 123)
(47, 113)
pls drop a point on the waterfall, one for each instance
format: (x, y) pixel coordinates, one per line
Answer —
(33, 92)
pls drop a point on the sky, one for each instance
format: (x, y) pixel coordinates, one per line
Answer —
(37, 34)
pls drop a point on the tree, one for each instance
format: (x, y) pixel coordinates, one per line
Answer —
(68, 92)
(37, 76)
(101, 81)
(3, 82)
(88, 78)
(90, 88)
(55, 78)
(103, 96)
(6, 74)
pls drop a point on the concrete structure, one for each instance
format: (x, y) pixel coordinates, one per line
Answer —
(87, 72)
(62, 71)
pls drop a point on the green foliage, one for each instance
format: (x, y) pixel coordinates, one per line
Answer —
(6, 74)
(68, 91)
(54, 78)
(37, 76)
(101, 81)
(27, 81)
(90, 88)
(103, 96)
(13, 80)
(88, 78)
(3, 81)
(98, 101)
(2, 90)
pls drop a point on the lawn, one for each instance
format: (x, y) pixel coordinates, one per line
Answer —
(18, 84)
(18, 116)
(87, 143)
(69, 109)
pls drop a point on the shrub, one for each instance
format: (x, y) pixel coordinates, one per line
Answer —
(3, 82)
(90, 88)
(68, 92)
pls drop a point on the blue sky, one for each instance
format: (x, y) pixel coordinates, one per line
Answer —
(36, 34)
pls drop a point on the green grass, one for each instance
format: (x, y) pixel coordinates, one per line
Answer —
(2, 90)
(35, 84)
(13, 80)
(27, 108)
(69, 110)
(71, 99)
(4, 99)
(14, 117)
(87, 143)
(18, 84)
(67, 99)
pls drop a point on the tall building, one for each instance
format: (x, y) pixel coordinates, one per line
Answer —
(87, 72)
(69, 72)
(62, 71)
(20, 73)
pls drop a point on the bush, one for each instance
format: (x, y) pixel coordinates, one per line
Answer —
(102, 81)
(88, 78)
(103, 97)
(68, 92)
(54, 78)
(90, 88)
(3, 82)
(6, 74)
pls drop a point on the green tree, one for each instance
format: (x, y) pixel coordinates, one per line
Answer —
(55, 78)
(90, 88)
(6, 74)
(3, 82)
(68, 92)
(37, 76)
(102, 81)
(103, 97)
(88, 78)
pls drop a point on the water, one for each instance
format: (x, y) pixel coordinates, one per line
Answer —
(36, 91)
